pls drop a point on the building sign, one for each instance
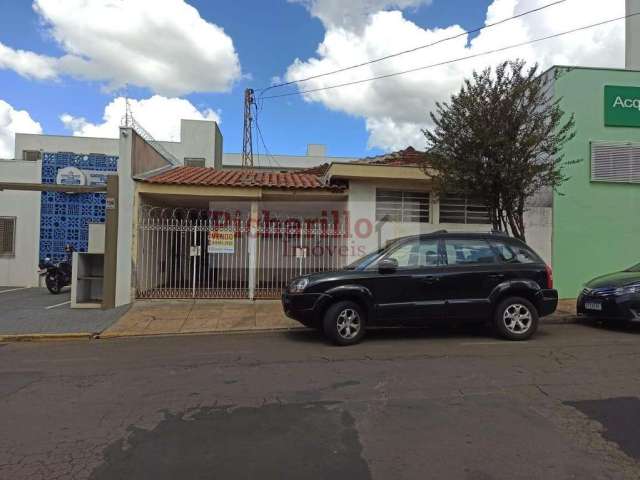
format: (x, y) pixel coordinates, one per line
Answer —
(96, 177)
(71, 176)
(621, 106)
(75, 176)
(221, 242)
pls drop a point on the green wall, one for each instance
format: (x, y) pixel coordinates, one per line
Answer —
(596, 226)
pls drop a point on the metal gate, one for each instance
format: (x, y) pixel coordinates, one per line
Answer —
(173, 261)
(178, 256)
(288, 247)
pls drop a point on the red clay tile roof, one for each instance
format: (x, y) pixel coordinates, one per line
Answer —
(204, 176)
(319, 170)
(407, 157)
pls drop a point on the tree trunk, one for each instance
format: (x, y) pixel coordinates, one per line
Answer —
(519, 218)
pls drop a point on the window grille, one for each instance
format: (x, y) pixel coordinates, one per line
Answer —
(31, 155)
(402, 207)
(194, 162)
(7, 236)
(455, 208)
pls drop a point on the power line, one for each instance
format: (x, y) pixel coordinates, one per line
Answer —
(447, 62)
(261, 137)
(403, 52)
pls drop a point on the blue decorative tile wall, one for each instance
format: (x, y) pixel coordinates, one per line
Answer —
(65, 218)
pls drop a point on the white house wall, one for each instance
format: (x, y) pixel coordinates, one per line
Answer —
(126, 190)
(361, 207)
(21, 269)
(64, 143)
(538, 223)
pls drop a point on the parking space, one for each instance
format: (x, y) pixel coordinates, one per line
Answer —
(36, 311)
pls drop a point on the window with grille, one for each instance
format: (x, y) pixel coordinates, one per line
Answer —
(615, 162)
(402, 207)
(31, 155)
(194, 162)
(456, 208)
(7, 235)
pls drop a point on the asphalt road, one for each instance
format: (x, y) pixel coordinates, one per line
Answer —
(453, 404)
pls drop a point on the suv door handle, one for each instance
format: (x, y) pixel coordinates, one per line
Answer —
(430, 279)
(498, 276)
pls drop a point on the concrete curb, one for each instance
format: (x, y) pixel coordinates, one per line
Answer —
(39, 337)
(211, 332)
(559, 320)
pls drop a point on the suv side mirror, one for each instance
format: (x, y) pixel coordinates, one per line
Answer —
(388, 265)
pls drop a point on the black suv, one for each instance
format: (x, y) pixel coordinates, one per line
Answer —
(413, 280)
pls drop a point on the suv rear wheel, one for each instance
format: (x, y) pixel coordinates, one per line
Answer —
(516, 319)
(344, 323)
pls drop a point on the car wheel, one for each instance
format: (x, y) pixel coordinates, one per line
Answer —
(516, 319)
(344, 323)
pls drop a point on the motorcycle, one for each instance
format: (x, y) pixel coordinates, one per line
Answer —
(57, 275)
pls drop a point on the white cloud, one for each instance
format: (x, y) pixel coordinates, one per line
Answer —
(352, 14)
(395, 109)
(14, 121)
(163, 45)
(27, 64)
(160, 116)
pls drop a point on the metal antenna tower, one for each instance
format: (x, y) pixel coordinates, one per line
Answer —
(129, 121)
(247, 143)
(128, 116)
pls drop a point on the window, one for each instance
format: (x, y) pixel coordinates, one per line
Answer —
(456, 208)
(469, 252)
(194, 162)
(31, 155)
(510, 253)
(402, 207)
(416, 253)
(7, 236)
(615, 162)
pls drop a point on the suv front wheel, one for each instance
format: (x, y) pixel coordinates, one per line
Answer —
(344, 323)
(516, 318)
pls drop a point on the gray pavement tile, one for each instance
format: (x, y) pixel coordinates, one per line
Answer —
(25, 312)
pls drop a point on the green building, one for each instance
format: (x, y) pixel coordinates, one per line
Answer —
(596, 214)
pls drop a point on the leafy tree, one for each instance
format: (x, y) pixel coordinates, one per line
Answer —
(499, 141)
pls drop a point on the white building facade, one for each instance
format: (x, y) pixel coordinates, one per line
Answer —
(169, 193)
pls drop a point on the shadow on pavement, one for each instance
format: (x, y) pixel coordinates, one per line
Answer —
(612, 326)
(461, 331)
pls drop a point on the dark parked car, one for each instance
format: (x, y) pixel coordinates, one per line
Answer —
(615, 296)
(440, 276)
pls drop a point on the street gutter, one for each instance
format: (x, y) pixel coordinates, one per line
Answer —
(38, 337)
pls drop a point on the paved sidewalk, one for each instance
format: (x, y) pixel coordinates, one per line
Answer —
(34, 312)
(200, 316)
(159, 317)
(565, 313)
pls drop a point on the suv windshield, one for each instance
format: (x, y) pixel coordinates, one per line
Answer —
(362, 262)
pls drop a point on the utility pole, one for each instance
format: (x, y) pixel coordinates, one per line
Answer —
(632, 46)
(247, 143)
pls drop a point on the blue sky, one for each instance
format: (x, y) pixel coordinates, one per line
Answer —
(267, 36)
